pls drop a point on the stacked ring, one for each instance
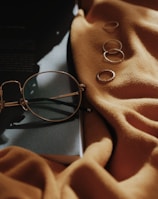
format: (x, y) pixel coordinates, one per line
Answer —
(113, 47)
(112, 42)
(110, 26)
(112, 52)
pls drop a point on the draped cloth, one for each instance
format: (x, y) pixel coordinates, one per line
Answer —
(120, 159)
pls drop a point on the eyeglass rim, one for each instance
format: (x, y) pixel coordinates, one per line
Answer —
(80, 90)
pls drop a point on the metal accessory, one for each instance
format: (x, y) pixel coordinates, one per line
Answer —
(110, 26)
(112, 43)
(109, 56)
(52, 96)
(105, 75)
(112, 48)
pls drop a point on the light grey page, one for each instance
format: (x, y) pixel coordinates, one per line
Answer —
(56, 139)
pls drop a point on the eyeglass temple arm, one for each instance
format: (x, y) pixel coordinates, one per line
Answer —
(17, 103)
(65, 95)
(14, 103)
(55, 99)
(4, 104)
(22, 101)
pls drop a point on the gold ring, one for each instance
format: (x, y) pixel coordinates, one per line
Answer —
(102, 76)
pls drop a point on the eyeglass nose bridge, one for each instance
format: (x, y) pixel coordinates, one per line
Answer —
(2, 102)
(10, 82)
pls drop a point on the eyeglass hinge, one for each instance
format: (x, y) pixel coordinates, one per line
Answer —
(22, 103)
(83, 87)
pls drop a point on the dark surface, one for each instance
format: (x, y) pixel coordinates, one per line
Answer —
(28, 31)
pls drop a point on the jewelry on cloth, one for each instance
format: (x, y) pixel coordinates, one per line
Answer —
(112, 43)
(105, 75)
(114, 51)
(110, 26)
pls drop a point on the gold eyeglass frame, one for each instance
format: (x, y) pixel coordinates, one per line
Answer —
(24, 103)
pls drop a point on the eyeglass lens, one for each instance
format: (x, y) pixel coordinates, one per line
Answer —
(52, 96)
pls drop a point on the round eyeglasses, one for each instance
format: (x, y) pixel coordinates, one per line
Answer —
(53, 96)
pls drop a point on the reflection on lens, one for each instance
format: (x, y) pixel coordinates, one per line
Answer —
(52, 96)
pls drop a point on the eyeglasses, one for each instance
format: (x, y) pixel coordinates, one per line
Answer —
(52, 96)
